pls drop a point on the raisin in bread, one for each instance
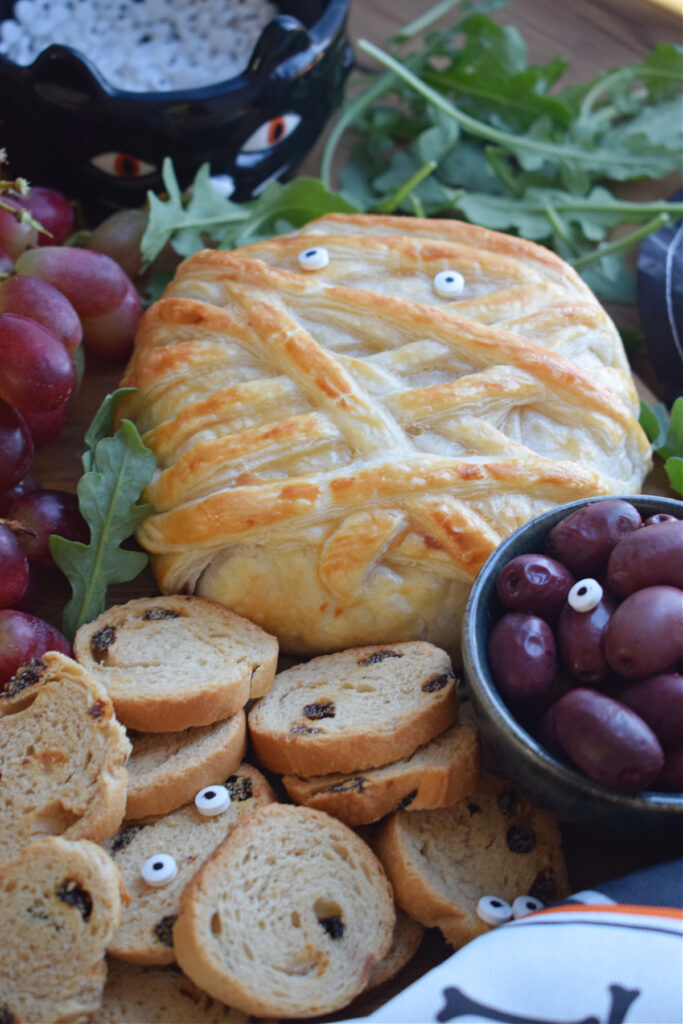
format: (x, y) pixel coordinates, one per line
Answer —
(173, 662)
(60, 903)
(288, 917)
(146, 932)
(438, 774)
(357, 709)
(62, 756)
(166, 770)
(495, 843)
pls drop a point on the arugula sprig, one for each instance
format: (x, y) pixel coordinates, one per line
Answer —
(666, 436)
(116, 469)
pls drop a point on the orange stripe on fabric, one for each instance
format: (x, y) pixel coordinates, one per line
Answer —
(614, 908)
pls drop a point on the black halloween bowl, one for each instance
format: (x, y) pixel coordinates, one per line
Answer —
(511, 750)
(64, 126)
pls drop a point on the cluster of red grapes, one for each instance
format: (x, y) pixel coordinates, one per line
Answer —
(54, 297)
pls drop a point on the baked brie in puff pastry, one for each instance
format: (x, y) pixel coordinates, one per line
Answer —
(347, 420)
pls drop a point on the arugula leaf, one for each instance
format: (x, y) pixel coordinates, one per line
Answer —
(116, 470)
(666, 436)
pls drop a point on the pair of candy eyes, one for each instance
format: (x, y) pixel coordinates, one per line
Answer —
(447, 283)
(161, 868)
(267, 135)
(494, 910)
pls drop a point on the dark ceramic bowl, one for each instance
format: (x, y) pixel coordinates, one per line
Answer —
(64, 126)
(509, 749)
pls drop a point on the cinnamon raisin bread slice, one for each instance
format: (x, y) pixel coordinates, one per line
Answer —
(145, 935)
(493, 843)
(173, 662)
(361, 708)
(60, 903)
(158, 995)
(166, 770)
(438, 774)
(405, 942)
(288, 917)
(62, 756)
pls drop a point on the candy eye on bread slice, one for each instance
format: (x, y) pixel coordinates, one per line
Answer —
(360, 708)
(437, 774)
(146, 932)
(288, 917)
(493, 843)
(166, 770)
(173, 662)
(62, 756)
(60, 903)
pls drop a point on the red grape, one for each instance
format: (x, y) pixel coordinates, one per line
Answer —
(93, 283)
(36, 371)
(15, 237)
(24, 637)
(52, 210)
(119, 237)
(16, 447)
(45, 425)
(46, 512)
(13, 568)
(6, 263)
(40, 301)
(26, 484)
(112, 336)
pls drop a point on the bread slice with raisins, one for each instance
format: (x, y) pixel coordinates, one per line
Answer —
(145, 935)
(176, 661)
(358, 709)
(437, 774)
(135, 994)
(288, 917)
(406, 937)
(493, 843)
(62, 756)
(166, 770)
(60, 903)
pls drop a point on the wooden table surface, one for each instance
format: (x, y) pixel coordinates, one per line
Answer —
(594, 35)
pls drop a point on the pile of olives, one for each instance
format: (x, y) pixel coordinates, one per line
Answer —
(588, 653)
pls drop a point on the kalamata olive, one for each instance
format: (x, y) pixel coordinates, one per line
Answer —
(535, 584)
(580, 638)
(546, 734)
(659, 702)
(647, 558)
(645, 634)
(522, 656)
(608, 741)
(670, 779)
(660, 517)
(585, 538)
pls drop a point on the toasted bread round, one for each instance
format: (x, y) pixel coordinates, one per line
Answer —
(60, 903)
(358, 709)
(146, 932)
(440, 773)
(166, 770)
(288, 917)
(173, 662)
(495, 842)
(405, 942)
(62, 756)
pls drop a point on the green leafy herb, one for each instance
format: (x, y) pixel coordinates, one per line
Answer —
(666, 435)
(116, 469)
(203, 216)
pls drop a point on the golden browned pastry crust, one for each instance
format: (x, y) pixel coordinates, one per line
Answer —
(340, 450)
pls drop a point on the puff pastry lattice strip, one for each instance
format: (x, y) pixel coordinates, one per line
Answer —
(339, 451)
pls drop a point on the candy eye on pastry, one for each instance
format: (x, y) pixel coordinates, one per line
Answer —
(493, 910)
(159, 870)
(524, 905)
(448, 284)
(122, 165)
(314, 259)
(266, 136)
(212, 800)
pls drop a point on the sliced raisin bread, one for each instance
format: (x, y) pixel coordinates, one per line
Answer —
(166, 770)
(62, 756)
(173, 662)
(60, 903)
(361, 708)
(405, 942)
(288, 917)
(438, 774)
(145, 935)
(158, 995)
(493, 843)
